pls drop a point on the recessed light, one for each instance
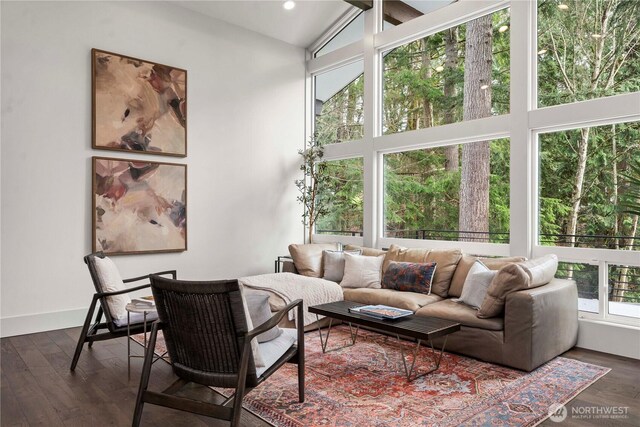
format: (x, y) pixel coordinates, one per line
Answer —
(439, 68)
(289, 4)
(542, 51)
(596, 36)
(503, 28)
(563, 6)
(484, 87)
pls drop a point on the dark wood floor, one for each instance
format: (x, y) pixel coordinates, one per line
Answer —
(39, 390)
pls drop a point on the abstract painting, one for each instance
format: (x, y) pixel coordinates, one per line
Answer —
(139, 206)
(138, 105)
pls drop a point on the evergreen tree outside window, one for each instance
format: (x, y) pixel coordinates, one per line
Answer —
(342, 194)
(422, 196)
(458, 74)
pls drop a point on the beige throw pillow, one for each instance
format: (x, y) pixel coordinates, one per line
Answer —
(509, 278)
(467, 261)
(110, 280)
(541, 270)
(362, 271)
(308, 258)
(447, 260)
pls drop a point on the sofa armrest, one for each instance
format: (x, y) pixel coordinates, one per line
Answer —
(540, 323)
(288, 266)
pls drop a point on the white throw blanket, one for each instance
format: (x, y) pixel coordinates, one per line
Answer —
(290, 287)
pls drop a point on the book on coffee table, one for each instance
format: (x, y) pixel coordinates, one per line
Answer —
(381, 311)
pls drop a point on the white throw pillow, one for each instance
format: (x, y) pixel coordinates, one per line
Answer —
(362, 271)
(334, 264)
(110, 280)
(541, 270)
(476, 286)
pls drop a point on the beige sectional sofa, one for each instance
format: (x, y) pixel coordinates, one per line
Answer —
(539, 321)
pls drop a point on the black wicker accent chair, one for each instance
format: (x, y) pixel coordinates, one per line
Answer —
(206, 333)
(91, 332)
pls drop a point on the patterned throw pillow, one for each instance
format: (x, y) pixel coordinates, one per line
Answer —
(409, 276)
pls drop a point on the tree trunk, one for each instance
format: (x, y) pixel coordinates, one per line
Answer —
(427, 106)
(576, 196)
(452, 152)
(614, 165)
(474, 183)
(623, 284)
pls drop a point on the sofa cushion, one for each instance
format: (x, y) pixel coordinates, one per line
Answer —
(510, 278)
(461, 313)
(541, 270)
(407, 300)
(365, 251)
(402, 254)
(466, 262)
(477, 285)
(308, 258)
(362, 271)
(333, 263)
(447, 261)
(409, 277)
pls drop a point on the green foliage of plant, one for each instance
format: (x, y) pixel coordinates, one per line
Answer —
(630, 201)
(312, 169)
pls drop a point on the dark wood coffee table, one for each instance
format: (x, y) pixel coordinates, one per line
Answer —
(417, 327)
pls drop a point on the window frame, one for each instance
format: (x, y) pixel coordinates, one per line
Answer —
(522, 125)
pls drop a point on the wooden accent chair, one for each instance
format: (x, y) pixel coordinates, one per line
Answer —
(115, 327)
(209, 343)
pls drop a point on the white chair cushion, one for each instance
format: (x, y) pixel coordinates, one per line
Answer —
(110, 281)
(138, 318)
(255, 348)
(273, 350)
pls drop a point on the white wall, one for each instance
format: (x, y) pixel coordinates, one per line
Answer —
(245, 124)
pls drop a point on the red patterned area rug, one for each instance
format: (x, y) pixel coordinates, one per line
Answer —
(364, 385)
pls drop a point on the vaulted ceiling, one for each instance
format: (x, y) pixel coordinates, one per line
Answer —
(300, 26)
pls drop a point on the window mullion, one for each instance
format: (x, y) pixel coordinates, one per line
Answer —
(370, 112)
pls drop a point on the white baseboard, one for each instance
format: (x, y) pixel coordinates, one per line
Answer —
(609, 338)
(41, 322)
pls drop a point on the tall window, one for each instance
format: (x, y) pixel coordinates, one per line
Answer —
(338, 104)
(342, 195)
(458, 74)
(587, 49)
(352, 32)
(584, 181)
(452, 150)
(427, 195)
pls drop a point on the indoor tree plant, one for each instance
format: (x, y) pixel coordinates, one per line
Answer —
(309, 186)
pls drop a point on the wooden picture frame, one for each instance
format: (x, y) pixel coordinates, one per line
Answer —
(138, 105)
(138, 206)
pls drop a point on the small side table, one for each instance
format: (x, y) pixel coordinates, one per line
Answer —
(132, 308)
